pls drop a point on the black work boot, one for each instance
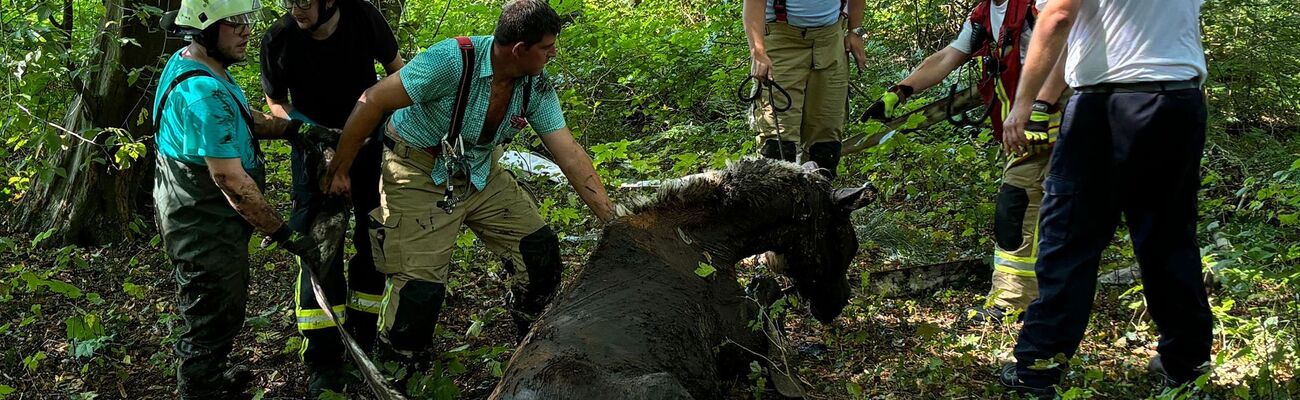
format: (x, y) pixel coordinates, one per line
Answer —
(827, 157)
(1012, 383)
(783, 150)
(1157, 368)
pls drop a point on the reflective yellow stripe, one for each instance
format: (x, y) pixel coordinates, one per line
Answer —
(1002, 96)
(1012, 271)
(383, 304)
(317, 319)
(1009, 257)
(366, 302)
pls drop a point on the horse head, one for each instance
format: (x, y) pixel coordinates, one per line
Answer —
(766, 205)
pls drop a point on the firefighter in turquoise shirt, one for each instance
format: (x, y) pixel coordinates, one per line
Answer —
(208, 189)
(433, 183)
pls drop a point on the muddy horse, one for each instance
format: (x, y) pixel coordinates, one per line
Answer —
(640, 321)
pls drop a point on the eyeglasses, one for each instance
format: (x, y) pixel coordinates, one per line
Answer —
(299, 4)
(242, 22)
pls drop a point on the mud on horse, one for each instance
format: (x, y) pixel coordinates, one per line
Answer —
(637, 322)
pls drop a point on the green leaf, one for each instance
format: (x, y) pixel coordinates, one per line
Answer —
(6, 390)
(475, 329)
(84, 327)
(704, 270)
(1288, 219)
(134, 290)
(42, 236)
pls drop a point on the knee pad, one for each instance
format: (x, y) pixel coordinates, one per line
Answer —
(827, 157)
(784, 150)
(419, 303)
(541, 254)
(1009, 217)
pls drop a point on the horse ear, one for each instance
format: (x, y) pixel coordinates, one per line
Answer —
(854, 198)
(812, 166)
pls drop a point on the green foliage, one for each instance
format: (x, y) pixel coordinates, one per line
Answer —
(649, 87)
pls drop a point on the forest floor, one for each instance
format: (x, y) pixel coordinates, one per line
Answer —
(880, 348)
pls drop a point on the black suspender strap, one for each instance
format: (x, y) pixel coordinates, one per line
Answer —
(462, 94)
(243, 108)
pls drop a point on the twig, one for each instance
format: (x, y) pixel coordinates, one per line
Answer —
(54, 125)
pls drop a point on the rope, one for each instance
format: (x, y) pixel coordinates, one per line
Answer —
(772, 89)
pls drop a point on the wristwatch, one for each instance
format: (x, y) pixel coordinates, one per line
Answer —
(859, 31)
(1043, 106)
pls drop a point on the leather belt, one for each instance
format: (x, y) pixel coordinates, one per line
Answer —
(1141, 87)
(391, 144)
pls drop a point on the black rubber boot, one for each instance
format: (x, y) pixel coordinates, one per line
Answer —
(783, 150)
(231, 383)
(322, 379)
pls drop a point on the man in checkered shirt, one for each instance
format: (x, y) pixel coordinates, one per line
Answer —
(424, 198)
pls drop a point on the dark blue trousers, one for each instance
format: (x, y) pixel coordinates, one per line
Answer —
(1135, 154)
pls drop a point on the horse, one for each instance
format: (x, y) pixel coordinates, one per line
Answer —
(645, 318)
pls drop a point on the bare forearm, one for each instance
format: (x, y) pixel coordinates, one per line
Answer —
(242, 194)
(1045, 48)
(279, 108)
(365, 116)
(268, 126)
(755, 20)
(582, 176)
(856, 10)
(935, 67)
(576, 165)
(1055, 84)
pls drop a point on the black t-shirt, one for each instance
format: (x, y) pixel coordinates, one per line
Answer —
(323, 78)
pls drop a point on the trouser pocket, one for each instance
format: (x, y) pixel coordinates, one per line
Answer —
(387, 253)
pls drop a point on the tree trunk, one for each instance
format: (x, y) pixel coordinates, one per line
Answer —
(91, 201)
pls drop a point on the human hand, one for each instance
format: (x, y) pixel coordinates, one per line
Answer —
(760, 66)
(853, 43)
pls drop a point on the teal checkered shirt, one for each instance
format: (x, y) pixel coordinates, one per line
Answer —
(431, 79)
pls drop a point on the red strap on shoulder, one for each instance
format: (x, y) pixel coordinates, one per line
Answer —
(465, 43)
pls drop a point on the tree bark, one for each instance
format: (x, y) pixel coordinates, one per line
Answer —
(92, 201)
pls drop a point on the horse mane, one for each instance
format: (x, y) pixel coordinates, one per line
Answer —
(749, 181)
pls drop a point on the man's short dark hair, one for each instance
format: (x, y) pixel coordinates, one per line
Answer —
(526, 21)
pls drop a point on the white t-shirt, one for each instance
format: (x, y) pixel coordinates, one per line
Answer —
(1126, 41)
(997, 13)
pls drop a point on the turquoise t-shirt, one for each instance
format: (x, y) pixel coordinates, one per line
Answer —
(202, 117)
(432, 78)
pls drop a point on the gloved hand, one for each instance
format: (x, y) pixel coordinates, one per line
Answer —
(296, 243)
(887, 107)
(1043, 126)
(309, 133)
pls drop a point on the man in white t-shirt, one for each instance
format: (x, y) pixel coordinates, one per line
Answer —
(1130, 144)
(1000, 40)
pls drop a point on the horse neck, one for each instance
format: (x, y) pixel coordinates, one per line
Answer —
(725, 239)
